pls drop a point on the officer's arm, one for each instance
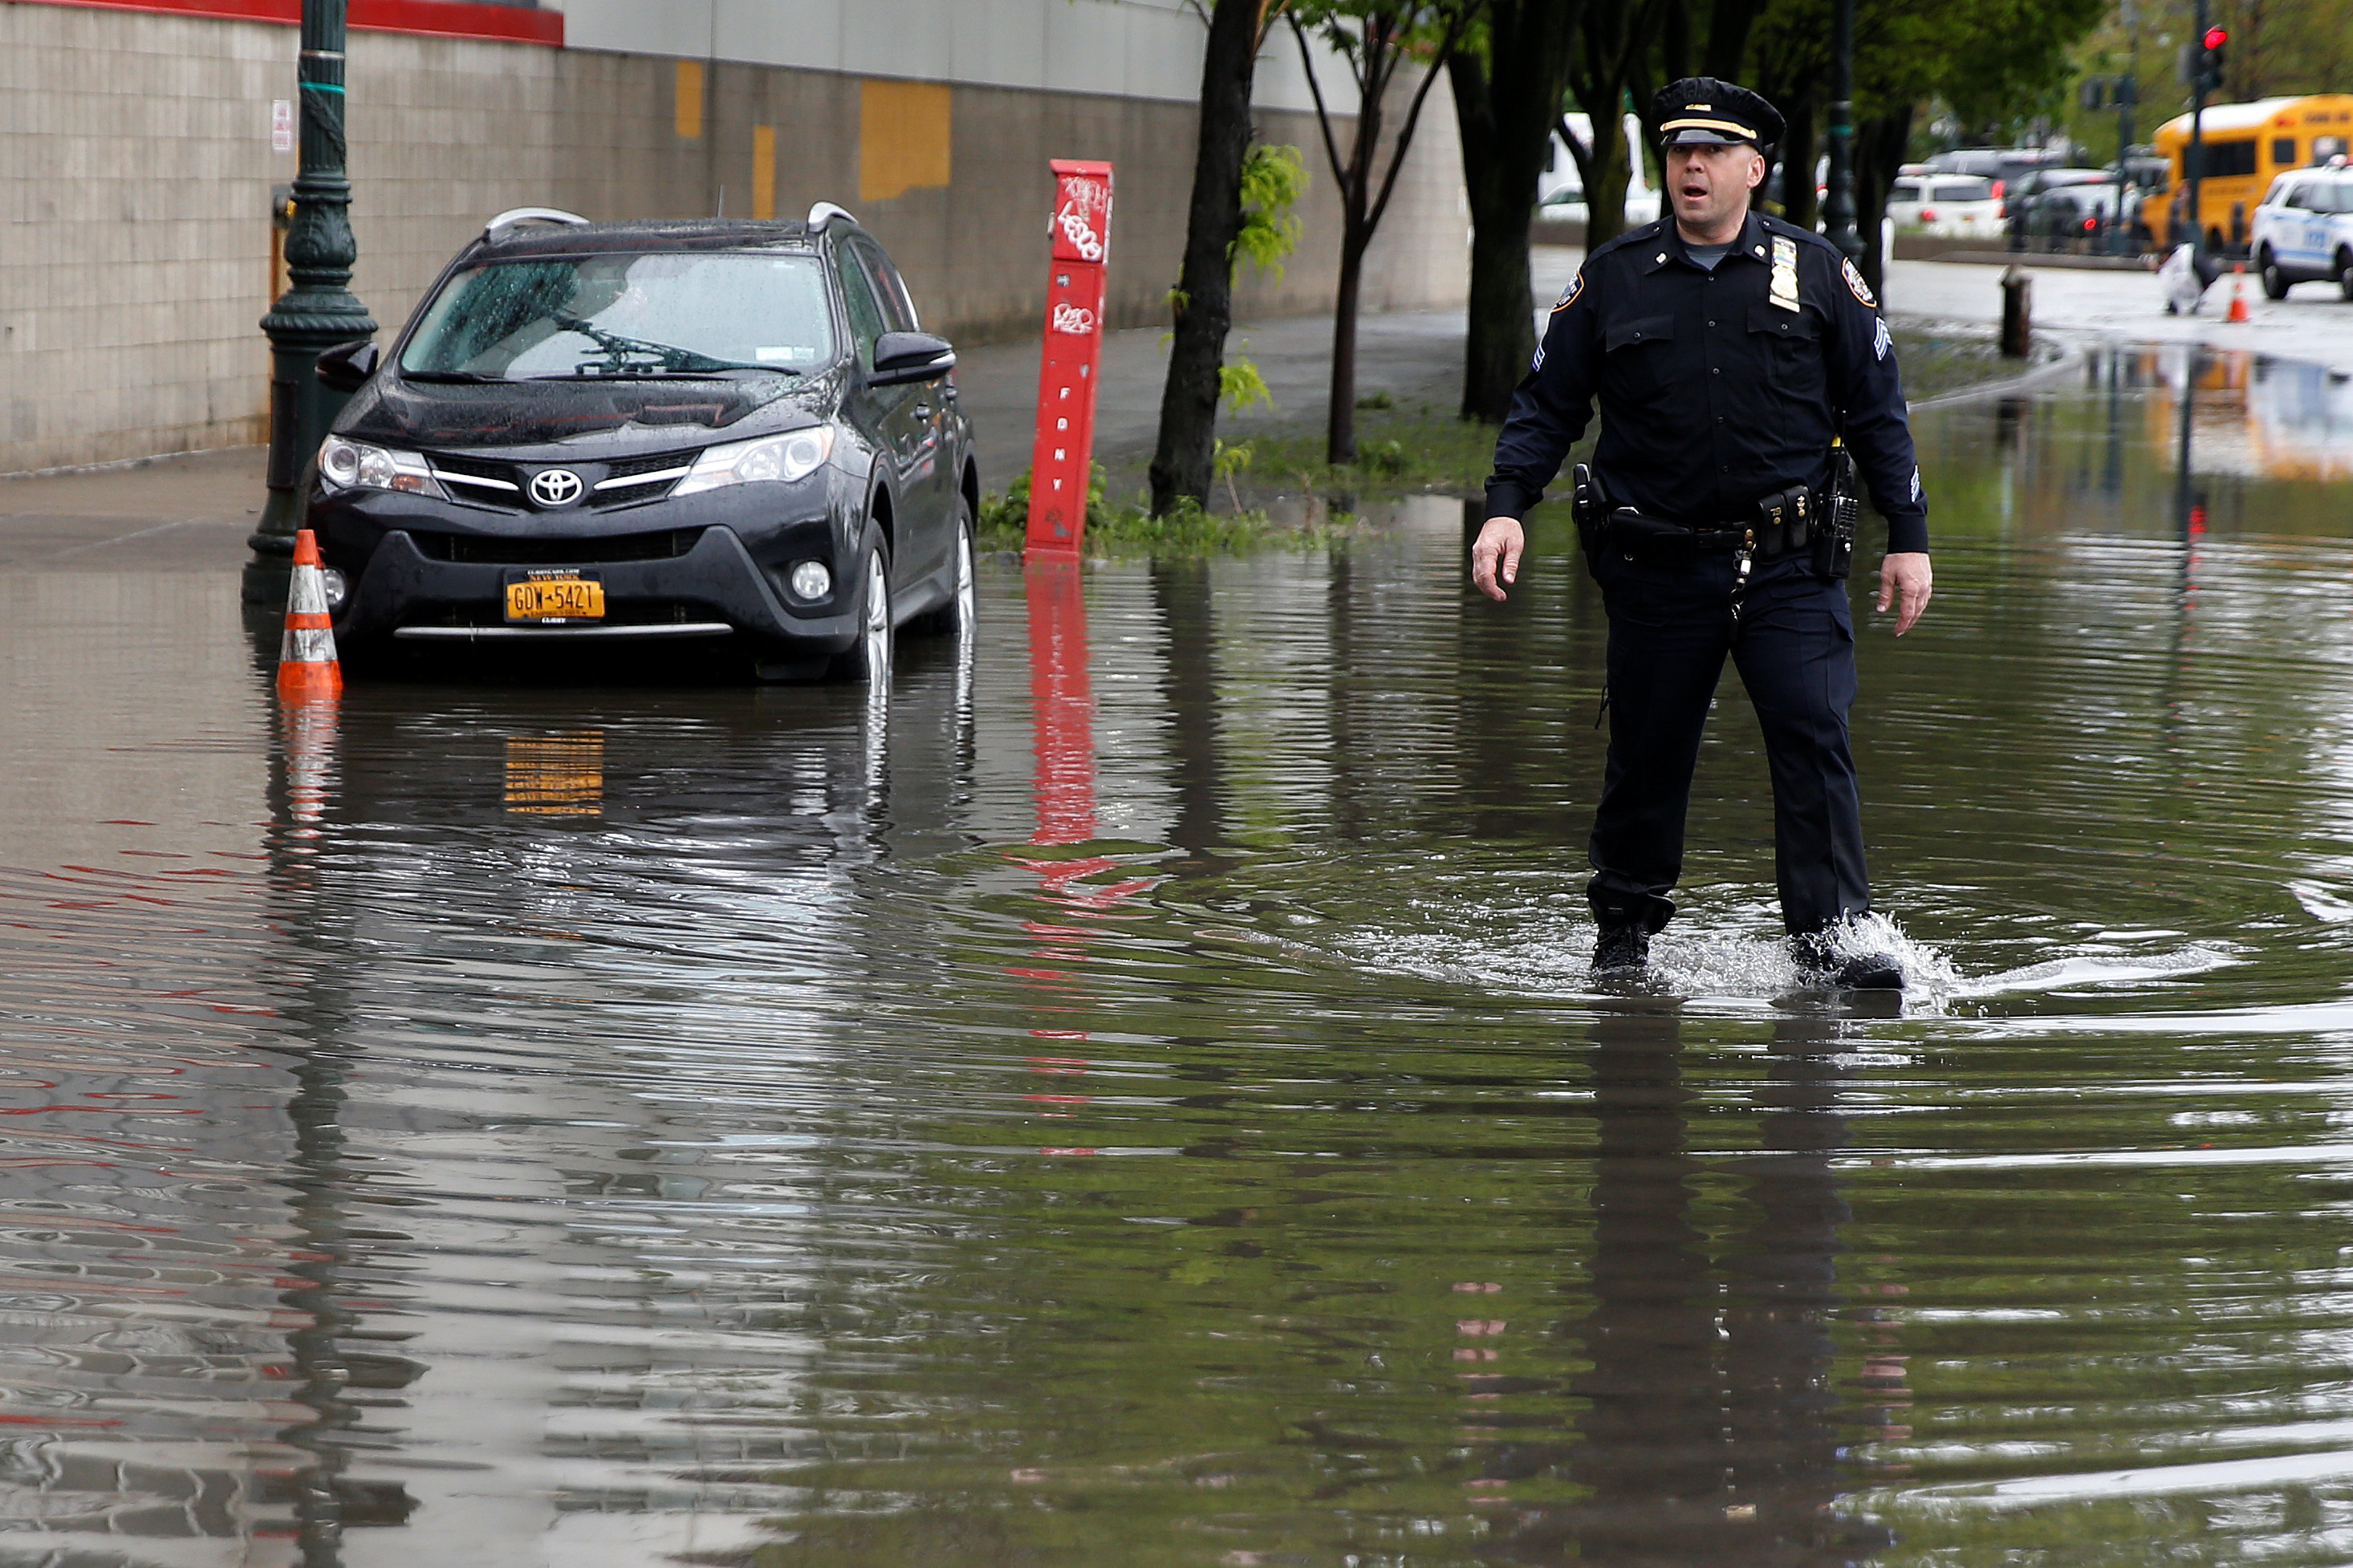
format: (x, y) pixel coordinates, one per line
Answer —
(1550, 407)
(1549, 411)
(1864, 382)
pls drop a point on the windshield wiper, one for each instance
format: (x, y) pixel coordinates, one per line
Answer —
(618, 350)
(464, 376)
(649, 373)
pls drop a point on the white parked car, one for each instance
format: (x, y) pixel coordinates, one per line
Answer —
(1560, 190)
(1956, 204)
(2304, 231)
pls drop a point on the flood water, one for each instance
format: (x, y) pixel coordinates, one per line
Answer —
(1140, 1101)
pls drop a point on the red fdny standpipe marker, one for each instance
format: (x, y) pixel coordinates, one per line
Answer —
(1062, 461)
(307, 665)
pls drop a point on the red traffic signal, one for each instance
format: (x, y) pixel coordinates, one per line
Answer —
(2217, 36)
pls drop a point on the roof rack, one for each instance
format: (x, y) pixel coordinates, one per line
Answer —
(515, 216)
(826, 212)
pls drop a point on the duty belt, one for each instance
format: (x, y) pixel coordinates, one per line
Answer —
(1630, 529)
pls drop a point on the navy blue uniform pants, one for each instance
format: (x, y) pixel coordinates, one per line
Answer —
(1672, 624)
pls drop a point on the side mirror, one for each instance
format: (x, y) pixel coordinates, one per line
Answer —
(346, 366)
(901, 357)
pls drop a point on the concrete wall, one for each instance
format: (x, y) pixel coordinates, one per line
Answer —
(1134, 49)
(135, 171)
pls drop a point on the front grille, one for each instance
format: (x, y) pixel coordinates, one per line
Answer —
(667, 468)
(486, 482)
(475, 548)
(654, 463)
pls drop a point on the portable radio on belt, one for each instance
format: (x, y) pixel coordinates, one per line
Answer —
(1590, 509)
(1834, 544)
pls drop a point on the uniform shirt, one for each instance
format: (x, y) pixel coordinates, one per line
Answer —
(1713, 393)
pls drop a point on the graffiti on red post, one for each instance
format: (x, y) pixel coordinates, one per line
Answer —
(1062, 460)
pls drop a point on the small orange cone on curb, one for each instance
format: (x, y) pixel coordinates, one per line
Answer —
(306, 668)
(2239, 292)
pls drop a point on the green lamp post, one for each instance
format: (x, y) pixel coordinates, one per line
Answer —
(318, 310)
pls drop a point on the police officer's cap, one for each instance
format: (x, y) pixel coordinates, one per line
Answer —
(1703, 109)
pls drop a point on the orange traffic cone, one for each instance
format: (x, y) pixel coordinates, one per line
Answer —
(2239, 292)
(306, 659)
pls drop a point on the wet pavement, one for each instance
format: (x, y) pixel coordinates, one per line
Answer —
(1138, 1099)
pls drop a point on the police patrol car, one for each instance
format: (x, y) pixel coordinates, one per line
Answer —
(2304, 231)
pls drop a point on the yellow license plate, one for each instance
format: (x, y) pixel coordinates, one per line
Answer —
(555, 599)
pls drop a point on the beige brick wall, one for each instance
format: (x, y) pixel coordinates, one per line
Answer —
(135, 169)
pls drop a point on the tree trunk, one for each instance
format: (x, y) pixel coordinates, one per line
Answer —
(1340, 437)
(1204, 310)
(1879, 145)
(1605, 198)
(1616, 41)
(1506, 113)
(1727, 36)
(1365, 184)
(1799, 205)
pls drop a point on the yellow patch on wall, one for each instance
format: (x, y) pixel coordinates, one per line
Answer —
(902, 138)
(764, 171)
(690, 99)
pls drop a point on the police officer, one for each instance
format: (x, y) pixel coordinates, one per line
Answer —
(1732, 352)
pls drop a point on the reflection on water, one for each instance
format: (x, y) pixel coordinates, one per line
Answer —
(1136, 1098)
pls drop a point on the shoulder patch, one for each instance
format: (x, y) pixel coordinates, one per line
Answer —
(1568, 296)
(1856, 286)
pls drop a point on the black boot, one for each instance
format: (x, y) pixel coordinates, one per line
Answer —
(1620, 951)
(1823, 961)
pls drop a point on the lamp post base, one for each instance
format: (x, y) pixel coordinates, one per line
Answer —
(272, 543)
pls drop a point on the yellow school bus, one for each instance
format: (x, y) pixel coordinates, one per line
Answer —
(2244, 146)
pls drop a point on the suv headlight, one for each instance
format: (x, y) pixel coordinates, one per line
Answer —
(355, 465)
(781, 458)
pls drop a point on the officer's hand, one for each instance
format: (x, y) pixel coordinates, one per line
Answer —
(1905, 582)
(1495, 555)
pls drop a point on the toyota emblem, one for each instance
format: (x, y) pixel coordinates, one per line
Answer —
(555, 487)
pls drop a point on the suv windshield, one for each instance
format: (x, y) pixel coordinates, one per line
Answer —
(625, 315)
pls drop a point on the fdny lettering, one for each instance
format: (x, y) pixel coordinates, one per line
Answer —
(1784, 286)
(1856, 286)
(1568, 296)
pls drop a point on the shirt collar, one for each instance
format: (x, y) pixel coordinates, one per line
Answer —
(1754, 244)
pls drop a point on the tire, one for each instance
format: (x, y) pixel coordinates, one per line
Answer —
(868, 660)
(2344, 273)
(957, 615)
(2276, 282)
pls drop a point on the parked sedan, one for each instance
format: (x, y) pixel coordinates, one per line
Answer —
(2304, 231)
(729, 436)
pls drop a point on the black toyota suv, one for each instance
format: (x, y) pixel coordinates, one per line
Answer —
(732, 437)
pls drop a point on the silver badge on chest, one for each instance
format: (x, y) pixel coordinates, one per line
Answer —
(1785, 272)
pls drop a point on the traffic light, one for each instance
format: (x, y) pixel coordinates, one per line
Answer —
(2210, 58)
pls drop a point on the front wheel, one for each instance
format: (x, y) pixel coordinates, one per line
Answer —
(868, 660)
(2344, 273)
(959, 614)
(2274, 280)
